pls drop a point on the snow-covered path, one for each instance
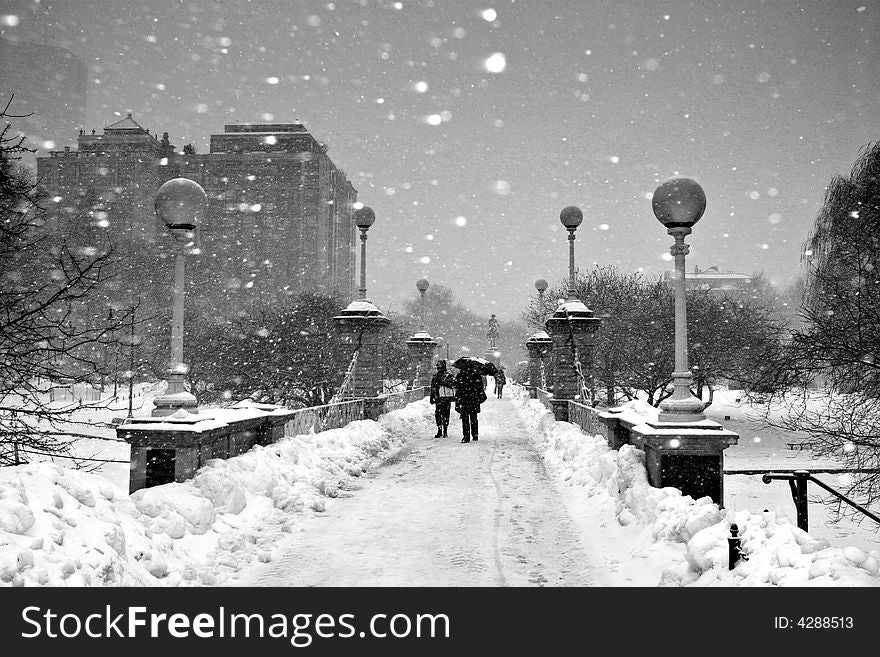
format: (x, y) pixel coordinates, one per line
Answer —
(442, 513)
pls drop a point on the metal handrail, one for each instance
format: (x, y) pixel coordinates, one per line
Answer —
(314, 419)
(397, 400)
(585, 416)
(797, 481)
(544, 396)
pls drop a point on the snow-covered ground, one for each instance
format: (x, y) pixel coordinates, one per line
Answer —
(658, 533)
(63, 527)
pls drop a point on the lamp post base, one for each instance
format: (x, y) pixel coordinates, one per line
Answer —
(175, 398)
(170, 404)
(678, 414)
(682, 406)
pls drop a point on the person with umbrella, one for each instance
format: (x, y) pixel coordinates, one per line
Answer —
(470, 394)
(442, 394)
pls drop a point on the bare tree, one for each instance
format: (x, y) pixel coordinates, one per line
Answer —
(728, 336)
(836, 345)
(286, 354)
(54, 325)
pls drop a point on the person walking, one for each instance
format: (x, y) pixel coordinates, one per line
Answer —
(500, 380)
(441, 395)
(469, 394)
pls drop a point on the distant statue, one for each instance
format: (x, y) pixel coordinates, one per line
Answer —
(492, 333)
(165, 141)
(189, 149)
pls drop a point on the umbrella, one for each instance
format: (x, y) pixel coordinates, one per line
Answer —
(475, 364)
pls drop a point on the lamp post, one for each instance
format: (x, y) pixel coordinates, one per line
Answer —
(111, 318)
(678, 204)
(422, 286)
(364, 217)
(572, 330)
(538, 345)
(361, 326)
(541, 287)
(571, 217)
(131, 366)
(421, 345)
(180, 204)
(682, 448)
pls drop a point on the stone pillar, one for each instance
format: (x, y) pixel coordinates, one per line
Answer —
(362, 326)
(687, 455)
(572, 325)
(172, 448)
(539, 347)
(421, 350)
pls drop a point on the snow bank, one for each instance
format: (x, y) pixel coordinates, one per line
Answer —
(778, 552)
(63, 527)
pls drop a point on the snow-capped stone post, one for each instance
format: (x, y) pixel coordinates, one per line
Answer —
(539, 346)
(682, 448)
(180, 204)
(174, 447)
(572, 330)
(421, 345)
(362, 326)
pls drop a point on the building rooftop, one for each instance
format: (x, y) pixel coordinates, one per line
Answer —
(263, 128)
(127, 123)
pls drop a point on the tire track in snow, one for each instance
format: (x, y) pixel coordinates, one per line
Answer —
(499, 513)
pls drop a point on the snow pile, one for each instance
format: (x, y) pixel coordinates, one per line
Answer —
(63, 527)
(67, 528)
(778, 552)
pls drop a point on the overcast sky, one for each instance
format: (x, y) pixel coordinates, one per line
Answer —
(467, 126)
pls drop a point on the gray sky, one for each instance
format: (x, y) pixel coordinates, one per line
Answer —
(467, 157)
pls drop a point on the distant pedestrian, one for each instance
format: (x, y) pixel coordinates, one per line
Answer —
(500, 380)
(442, 395)
(469, 394)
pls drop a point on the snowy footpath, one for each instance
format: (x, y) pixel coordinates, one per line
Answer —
(443, 513)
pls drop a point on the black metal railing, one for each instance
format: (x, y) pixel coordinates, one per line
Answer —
(797, 481)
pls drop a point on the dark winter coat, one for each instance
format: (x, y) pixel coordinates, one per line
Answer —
(500, 379)
(469, 392)
(440, 378)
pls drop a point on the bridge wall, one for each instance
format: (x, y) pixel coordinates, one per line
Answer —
(173, 448)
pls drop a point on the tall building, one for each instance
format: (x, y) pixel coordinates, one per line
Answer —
(279, 218)
(49, 88)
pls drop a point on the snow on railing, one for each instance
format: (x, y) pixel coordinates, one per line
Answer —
(544, 396)
(397, 400)
(315, 419)
(585, 417)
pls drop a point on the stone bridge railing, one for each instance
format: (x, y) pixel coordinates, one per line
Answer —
(608, 423)
(174, 447)
(686, 457)
(320, 418)
(396, 400)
